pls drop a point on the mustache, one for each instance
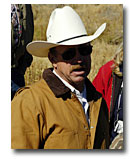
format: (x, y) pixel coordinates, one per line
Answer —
(77, 67)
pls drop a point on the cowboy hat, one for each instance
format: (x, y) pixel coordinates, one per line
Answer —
(64, 28)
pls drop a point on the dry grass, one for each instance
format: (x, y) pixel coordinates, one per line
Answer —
(93, 16)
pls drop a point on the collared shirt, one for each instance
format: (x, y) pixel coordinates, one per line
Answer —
(81, 96)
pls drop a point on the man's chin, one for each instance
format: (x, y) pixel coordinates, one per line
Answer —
(79, 79)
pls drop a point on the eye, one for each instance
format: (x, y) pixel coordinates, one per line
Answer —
(85, 50)
(69, 54)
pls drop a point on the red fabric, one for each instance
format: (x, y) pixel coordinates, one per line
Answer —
(103, 82)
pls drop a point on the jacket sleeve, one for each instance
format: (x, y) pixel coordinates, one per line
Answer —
(27, 36)
(99, 83)
(26, 122)
(103, 79)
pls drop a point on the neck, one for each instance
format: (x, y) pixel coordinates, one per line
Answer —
(79, 86)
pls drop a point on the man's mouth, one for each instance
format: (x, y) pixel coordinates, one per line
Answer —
(78, 70)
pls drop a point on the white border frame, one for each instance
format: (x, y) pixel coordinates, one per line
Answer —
(5, 113)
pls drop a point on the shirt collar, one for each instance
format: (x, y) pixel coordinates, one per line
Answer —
(65, 83)
(75, 91)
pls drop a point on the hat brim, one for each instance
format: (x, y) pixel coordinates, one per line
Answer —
(41, 48)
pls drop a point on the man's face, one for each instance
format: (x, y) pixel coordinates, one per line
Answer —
(72, 63)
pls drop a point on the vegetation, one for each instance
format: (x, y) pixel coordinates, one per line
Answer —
(93, 15)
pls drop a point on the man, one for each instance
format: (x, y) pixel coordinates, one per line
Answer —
(63, 110)
(22, 29)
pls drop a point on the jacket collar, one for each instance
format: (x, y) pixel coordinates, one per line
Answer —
(59, 89)
(55, 84)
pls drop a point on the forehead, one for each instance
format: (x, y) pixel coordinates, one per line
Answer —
(62, 48)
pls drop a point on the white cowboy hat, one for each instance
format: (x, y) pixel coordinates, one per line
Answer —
(64, 28)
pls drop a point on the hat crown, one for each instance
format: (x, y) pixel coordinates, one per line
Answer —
(64, 23)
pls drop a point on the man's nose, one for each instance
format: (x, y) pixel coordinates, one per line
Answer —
(78, 57)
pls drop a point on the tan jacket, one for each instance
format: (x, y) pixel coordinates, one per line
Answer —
(47, 115)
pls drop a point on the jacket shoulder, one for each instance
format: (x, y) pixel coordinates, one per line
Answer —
(20, 90)
(34, 90)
